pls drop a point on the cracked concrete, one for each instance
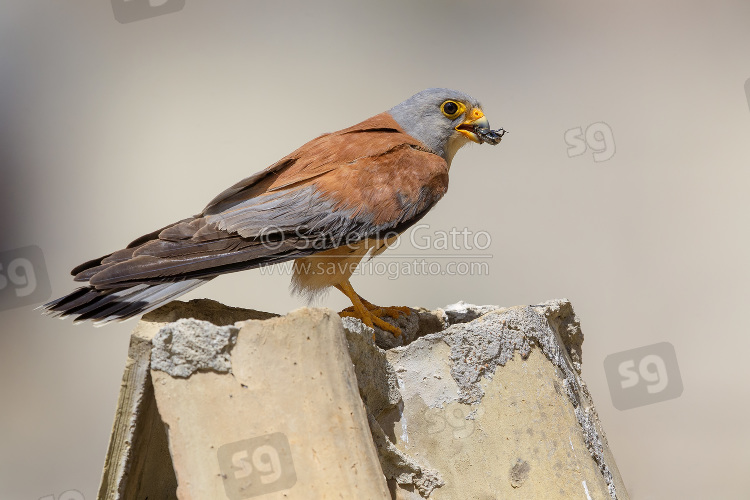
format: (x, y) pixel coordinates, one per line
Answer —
(470, 402)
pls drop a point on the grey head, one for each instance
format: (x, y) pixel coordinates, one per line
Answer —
(444, 120)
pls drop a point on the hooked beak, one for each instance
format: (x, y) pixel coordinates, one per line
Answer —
(475, 120)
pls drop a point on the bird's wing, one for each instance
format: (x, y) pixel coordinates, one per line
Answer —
(369, 181)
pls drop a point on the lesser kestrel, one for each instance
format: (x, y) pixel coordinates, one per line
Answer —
(336, 199)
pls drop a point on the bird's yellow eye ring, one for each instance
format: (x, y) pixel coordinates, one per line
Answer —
(452, 109)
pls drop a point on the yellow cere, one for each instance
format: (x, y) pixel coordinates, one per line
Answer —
(475, 114)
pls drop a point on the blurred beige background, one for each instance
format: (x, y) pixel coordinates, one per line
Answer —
(109, 130)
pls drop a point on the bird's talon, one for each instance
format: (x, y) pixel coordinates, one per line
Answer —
(394, 312)
(371, 320)
(384, 325)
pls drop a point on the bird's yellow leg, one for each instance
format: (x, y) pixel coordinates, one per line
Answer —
(359, 310)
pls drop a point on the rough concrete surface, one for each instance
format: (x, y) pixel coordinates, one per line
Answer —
(189, 345)
(470, 402)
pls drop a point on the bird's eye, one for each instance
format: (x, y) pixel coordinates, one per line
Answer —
(452, 109)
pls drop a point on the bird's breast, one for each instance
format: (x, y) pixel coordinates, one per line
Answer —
(315, 273)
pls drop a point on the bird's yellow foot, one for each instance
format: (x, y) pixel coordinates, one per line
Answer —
(369, 313)
(394, 312)
(371, 319)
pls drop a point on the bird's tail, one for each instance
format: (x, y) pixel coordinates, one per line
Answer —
(118, 304)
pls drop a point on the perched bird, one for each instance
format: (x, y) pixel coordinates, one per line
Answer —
(332, 201)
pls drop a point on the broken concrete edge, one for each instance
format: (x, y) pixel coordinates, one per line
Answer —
(379, 389)
(120, 451)
(400, 467)
(480, 346)
(130, 434)
(189, 345)
(560, 316)
(490, 339)
(183, 345)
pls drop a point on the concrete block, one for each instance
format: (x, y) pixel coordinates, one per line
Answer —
(472, 402)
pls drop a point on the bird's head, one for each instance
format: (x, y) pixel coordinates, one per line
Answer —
(444, 120)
